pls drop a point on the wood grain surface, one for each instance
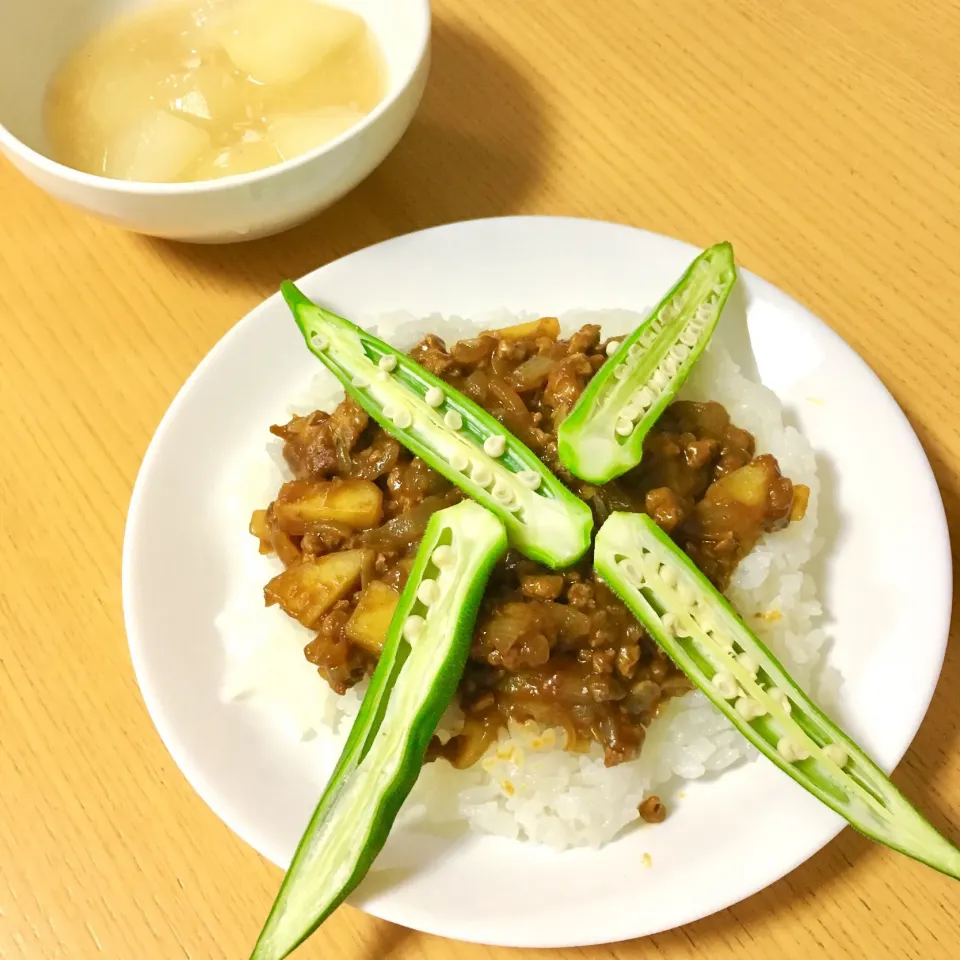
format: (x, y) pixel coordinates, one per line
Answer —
(821, 137)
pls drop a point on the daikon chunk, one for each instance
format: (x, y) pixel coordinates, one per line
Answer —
(297, 133)
(157, 150)
(282, 41)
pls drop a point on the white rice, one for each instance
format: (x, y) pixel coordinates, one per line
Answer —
(527, 786)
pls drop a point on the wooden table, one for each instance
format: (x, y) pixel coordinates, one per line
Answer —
(820, 137)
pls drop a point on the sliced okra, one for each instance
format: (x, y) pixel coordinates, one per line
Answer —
(603, 435)
(416, 677)
(703, 635)
(455, 436)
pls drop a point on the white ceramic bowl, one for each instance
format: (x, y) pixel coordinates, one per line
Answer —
(35, 37)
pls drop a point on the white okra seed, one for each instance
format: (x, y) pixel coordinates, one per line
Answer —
(320, 341)
(453, 420)
(443, 557)
(624, 428)
(495, 444)
(836, 754)
(726, 685)
(621, 371)
(403, 418)
(749, 708)
(502, 493)
(459, 461)
(668, 575)
(413, 627)
(748, 664)
(481, 475)
(361, 383)
(791, 750)
(781, 699)
(428, 592)
(529, 478)
(612, 347)
(382, 376)
(389, 411)
(434, 397)
(387, 362)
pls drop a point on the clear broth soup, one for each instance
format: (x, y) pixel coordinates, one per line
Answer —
(200, 89)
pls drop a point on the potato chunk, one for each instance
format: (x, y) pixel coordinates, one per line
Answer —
(284, 40)
(370, 621)
(309, 589)
(544, 327)
(304, 506)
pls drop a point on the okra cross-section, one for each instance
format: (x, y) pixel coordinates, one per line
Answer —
(703, 635)
(459, 439)
(415, 679)
(603, 435)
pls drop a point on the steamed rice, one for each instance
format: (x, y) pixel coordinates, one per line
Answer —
(527, 786)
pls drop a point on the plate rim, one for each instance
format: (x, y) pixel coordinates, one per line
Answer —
(197, 778)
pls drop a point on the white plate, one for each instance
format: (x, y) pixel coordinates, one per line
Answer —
(887, 583)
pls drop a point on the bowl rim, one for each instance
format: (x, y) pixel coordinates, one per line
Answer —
(94, 181)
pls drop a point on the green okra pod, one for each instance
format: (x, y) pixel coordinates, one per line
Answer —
(697, 627)
(603, 435)
(415, 680)
(455, 436)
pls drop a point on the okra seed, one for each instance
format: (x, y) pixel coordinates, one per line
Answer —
(621, 371)
(502, 493)
(668, 575)
(529, 478)
(659, 378)
(645, 398)
(688, 337)
(836, 754)
(612, 347)
(403, 418)
(434, 397)
(481, 475)
(750, 709)
(791, 750)
(413, 627)
(726, 685)
(389, 411)
(453, 420)
(459, 461)
(669, 365)
(320, 341)
(495, 444)
(382, 376)
(428, 592)
(635, 352)
(624, 428)
(748, 664)
(387, 362)
(630, 412)
(361, 383)
(630, 572)
(686, 593)
(443, 557)
(681, 352)
(781, 699)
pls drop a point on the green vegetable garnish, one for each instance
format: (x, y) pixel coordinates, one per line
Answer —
(459, 439)
(603, 436)
(415, 680)
(703, 635)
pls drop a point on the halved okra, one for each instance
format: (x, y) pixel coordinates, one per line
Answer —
(696, 626)
(415, 680)
(603, 435)
(459, 439)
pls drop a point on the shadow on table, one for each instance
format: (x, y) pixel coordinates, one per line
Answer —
(473, 150)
